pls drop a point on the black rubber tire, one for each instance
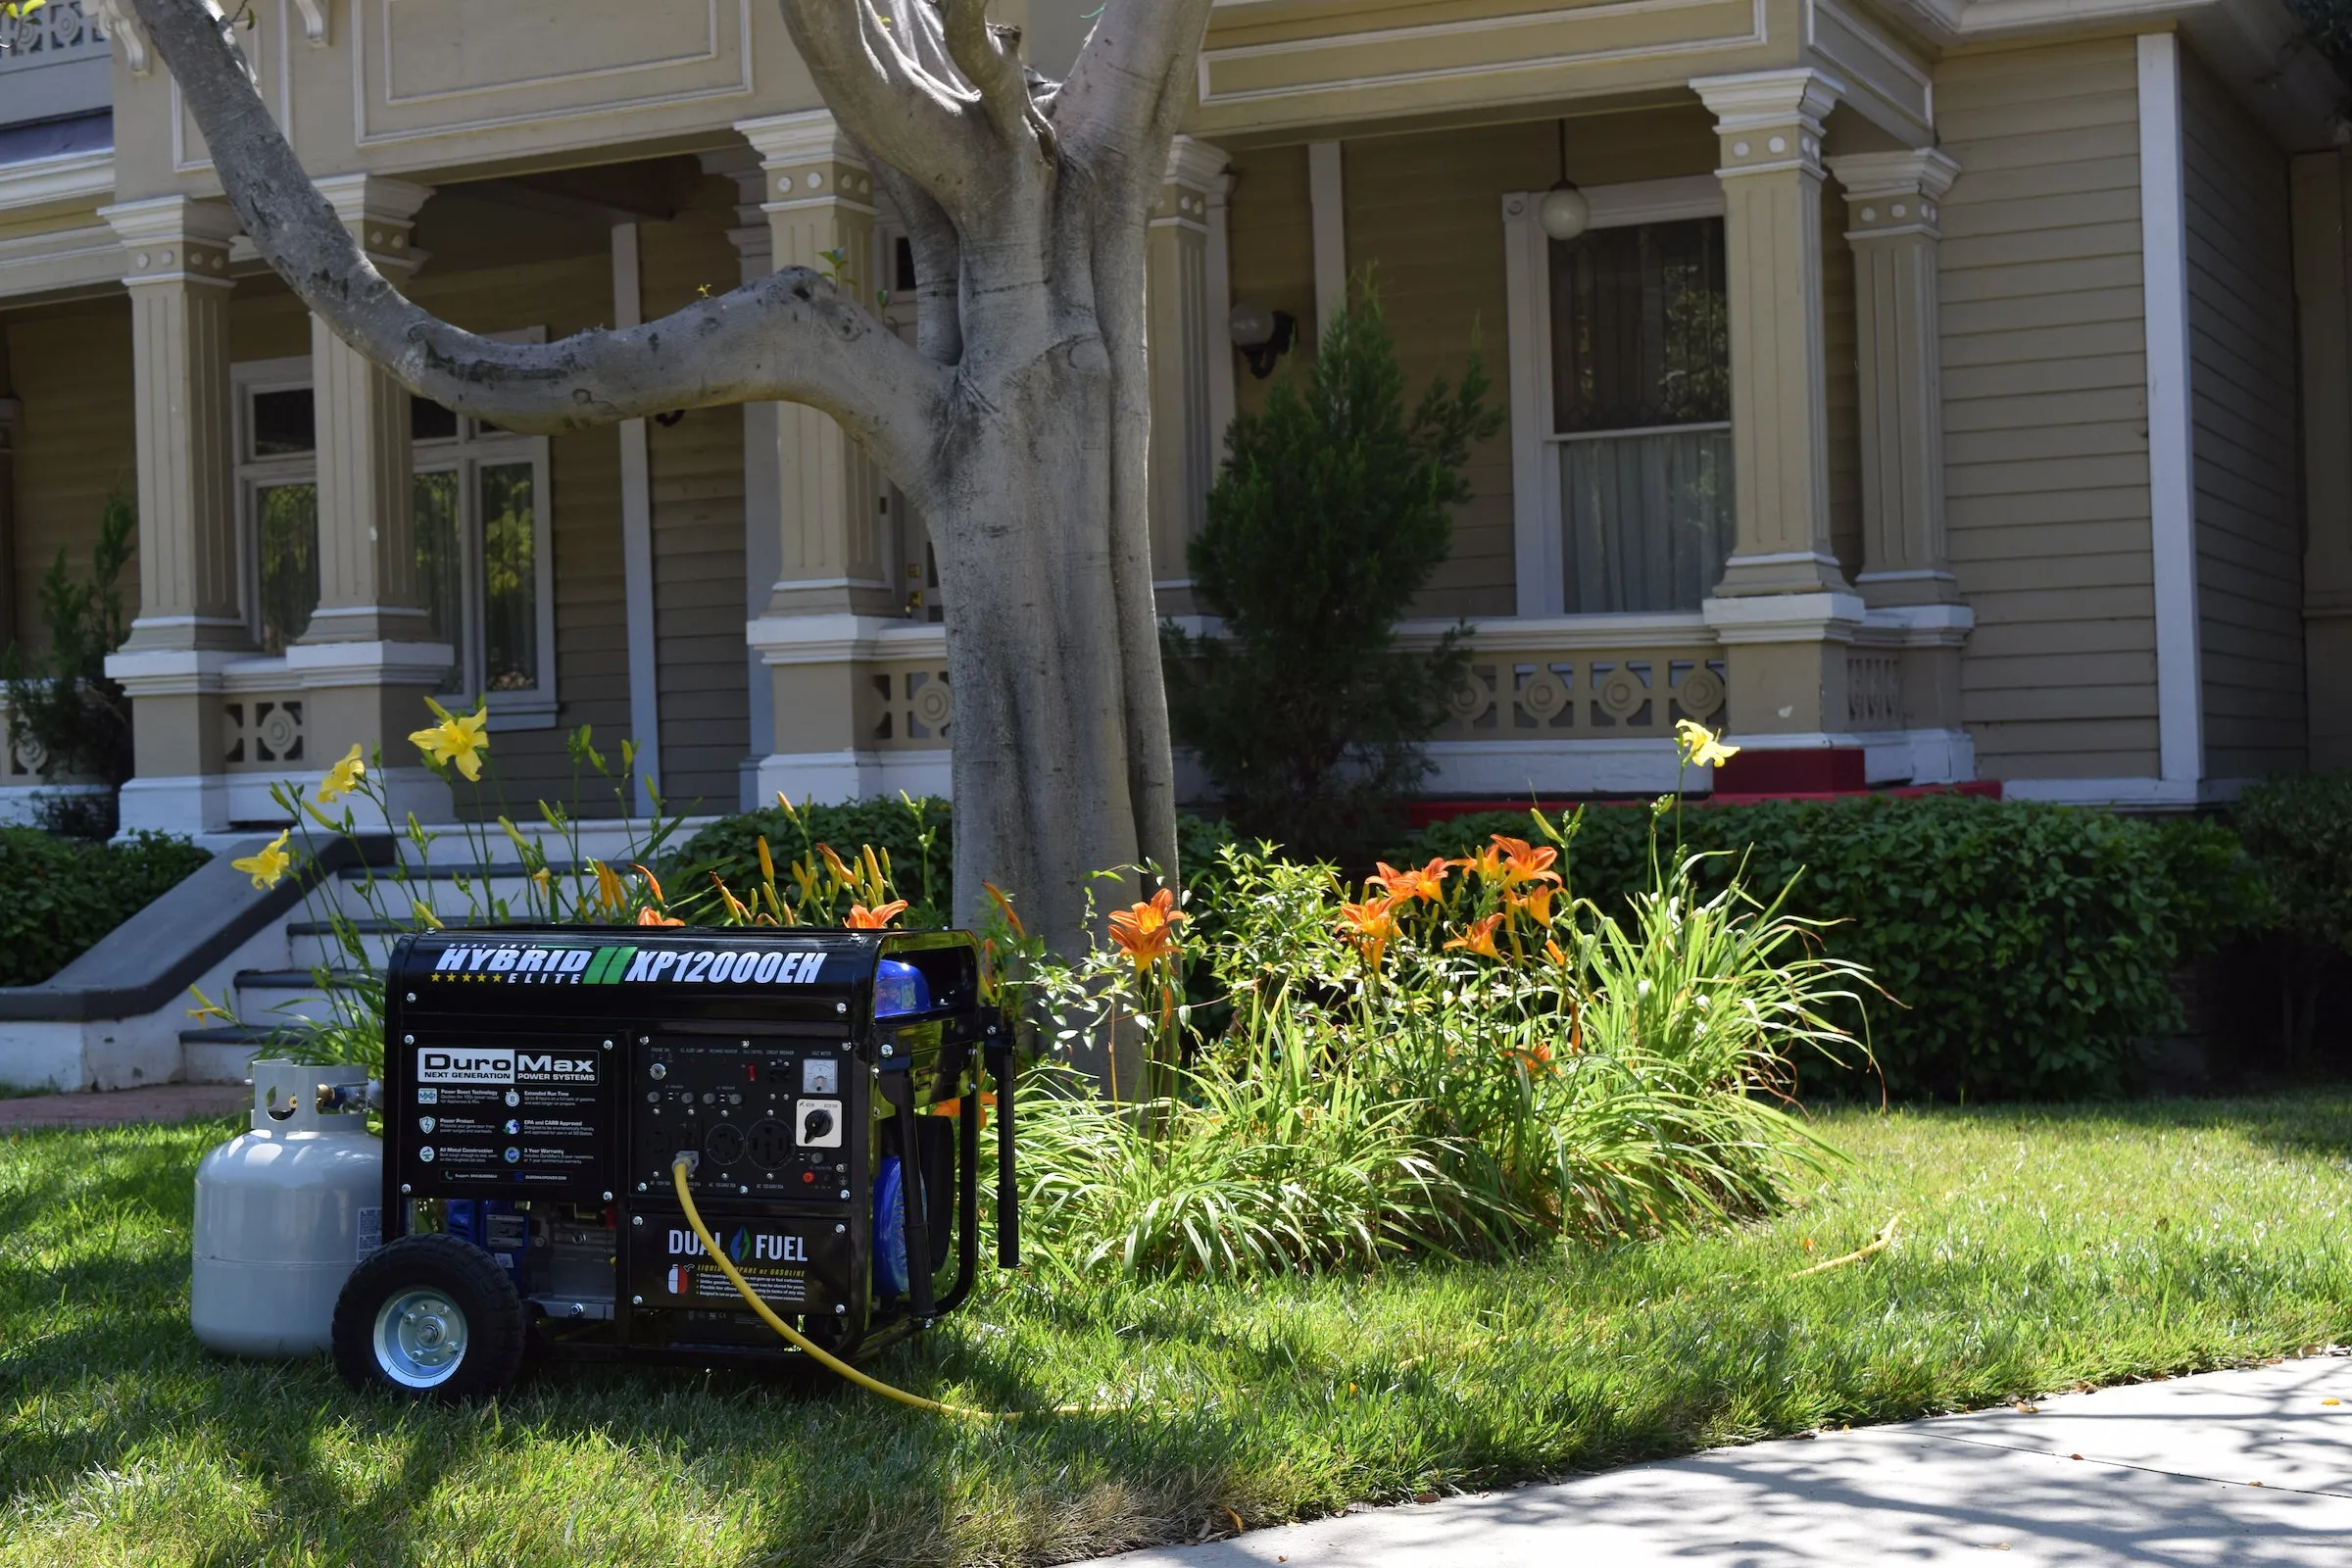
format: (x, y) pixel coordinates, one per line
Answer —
(471, 1280)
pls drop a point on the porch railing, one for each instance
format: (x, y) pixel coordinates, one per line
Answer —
(53, 62)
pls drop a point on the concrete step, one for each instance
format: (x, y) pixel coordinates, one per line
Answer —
(225, 1054)
(458, 895)
(312, 943)
(272, 999)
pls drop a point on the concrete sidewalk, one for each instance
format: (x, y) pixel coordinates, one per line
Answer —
(2231, 1469)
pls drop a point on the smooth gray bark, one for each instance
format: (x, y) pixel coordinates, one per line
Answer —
(1019, 423)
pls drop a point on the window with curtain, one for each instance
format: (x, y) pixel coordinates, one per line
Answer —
(1641, 395)
(481, 532)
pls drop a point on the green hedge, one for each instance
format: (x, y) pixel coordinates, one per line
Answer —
(2026, 947)
(58, 896)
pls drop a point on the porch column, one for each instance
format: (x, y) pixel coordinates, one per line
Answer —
(370, 657)
(831, 587)
(175, 267)
(1892, 200)
(1783, 609)
(1180, 307)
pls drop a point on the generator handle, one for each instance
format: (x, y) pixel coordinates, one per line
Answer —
(999, 1054)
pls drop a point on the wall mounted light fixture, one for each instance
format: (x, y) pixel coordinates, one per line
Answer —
(1262, 336)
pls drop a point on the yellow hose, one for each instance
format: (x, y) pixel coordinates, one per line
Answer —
(825, 1358)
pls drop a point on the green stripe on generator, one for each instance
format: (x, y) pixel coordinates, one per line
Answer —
(607, 966)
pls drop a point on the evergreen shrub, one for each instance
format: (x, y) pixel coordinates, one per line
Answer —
(2026, 948)
(58, 896)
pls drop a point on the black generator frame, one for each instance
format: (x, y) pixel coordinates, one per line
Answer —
(641, 996)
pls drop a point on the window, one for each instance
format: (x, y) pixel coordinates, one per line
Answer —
(1627, 447)
(483, 571)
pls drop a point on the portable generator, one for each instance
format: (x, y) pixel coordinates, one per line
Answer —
(543, 1086)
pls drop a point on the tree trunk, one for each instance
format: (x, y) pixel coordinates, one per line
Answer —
(1024, 524)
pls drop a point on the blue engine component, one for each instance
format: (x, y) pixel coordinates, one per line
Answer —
(493, 1225)
(900, 989)
(890, 1229)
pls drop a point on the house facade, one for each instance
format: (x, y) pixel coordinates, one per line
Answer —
(1930, 390)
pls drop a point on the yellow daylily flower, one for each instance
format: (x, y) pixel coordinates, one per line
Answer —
(1702, 745)
(425, 917)
(458, 740)
(269, 866)
(342, 778)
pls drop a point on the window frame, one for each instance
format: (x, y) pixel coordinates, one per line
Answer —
(1539, 531)
(474, 447)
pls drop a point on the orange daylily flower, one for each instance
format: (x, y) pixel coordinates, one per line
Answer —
(1536, 902)
(609, 895)
(840, 874)
(1524, 862)
(1147, 933)
(1426, 882)
(1371, 925)
(659, 896)
(863, 918)
(1536, 1059)
(653, 916)
(1479, 938)
(1003, 903)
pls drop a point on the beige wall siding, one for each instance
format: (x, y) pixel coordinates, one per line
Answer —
(70, 366)
(1425, 211)
(697, 474)
(2045, 409)
(2242, 389)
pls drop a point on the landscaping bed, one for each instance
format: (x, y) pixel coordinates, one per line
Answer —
(2034, 1248)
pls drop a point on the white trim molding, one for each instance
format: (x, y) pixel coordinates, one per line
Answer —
(841, 639)
(1834, 617)
(1520, 770)
(2145, 792)
(2172, 473)
(1326, 200)
(836, 778)
(70, 179)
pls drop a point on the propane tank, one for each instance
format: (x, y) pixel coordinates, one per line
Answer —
(285, 1212)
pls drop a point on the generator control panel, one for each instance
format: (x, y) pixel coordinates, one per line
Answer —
(541, 1083)
(766, 1116)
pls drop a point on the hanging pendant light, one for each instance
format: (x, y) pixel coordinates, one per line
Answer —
(1563, 211)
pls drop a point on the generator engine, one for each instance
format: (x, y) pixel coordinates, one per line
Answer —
(541, 1084)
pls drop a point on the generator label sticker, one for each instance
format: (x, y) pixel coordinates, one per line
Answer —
(511, 1115)
(773, 1262)
(540, 964)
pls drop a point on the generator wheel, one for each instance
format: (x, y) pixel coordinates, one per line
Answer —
(430, 1317)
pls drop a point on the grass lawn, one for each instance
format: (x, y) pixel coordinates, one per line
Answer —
(2037, 1248)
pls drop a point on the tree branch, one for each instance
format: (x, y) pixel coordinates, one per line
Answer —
(891, 107)
(995, 75)
(791, 337)
(1131, 84)
(938, 266)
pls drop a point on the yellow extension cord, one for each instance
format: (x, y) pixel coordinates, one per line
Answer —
(824, 1357)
